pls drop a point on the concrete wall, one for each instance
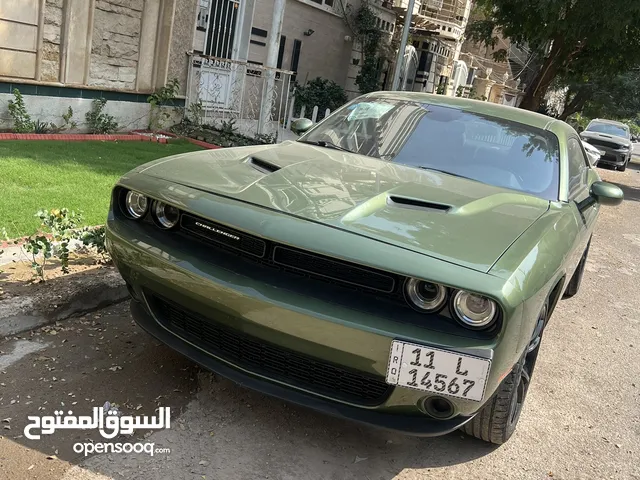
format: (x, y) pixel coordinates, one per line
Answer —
(182, 41)
(129, 115)
(324, 54)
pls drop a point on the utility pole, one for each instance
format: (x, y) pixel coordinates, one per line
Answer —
(403, 46)
(271, 63)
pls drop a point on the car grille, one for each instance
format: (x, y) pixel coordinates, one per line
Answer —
(604, 143)
(224, 236)
(287, 258)
(270, 360)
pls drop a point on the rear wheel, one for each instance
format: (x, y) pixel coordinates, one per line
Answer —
(497, 420)
(576, 279)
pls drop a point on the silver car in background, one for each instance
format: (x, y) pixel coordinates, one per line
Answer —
(612, 139)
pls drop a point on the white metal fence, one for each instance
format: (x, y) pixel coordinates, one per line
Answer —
(252, 97)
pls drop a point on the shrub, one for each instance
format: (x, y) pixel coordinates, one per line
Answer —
(99, 122)
(321, 92)
(22, 122)
(162, 96)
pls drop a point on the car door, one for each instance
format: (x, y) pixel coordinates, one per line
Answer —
(585, 210)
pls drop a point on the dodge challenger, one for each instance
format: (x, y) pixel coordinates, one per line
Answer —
(396, 265)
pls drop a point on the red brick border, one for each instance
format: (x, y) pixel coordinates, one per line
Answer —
(82, 137)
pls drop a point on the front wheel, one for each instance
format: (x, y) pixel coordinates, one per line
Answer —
(497, 420)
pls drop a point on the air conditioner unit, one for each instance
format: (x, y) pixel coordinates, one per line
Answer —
(203, 17)
(434, 4)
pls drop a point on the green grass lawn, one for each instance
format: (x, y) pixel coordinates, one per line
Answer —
(38, 175)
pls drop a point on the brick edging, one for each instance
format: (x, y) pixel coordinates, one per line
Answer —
(87, 137)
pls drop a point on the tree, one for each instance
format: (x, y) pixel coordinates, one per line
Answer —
(574, 39)
(615, 96)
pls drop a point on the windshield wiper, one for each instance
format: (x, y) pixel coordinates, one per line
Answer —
(445, 171)
(322, 143)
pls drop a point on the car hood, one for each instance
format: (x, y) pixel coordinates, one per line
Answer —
(587, 135)
(454, 219)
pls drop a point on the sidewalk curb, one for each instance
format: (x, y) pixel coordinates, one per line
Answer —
(87, 294)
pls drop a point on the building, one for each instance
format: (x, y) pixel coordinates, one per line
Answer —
(481, 76)
(66, 53)
(62, 53)
(436, 39)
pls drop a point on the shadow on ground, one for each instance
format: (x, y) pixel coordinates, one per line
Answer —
(238, 433)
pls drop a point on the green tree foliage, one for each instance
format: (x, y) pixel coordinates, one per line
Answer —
(574, 39)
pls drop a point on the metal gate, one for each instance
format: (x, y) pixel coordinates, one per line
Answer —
(217, 75)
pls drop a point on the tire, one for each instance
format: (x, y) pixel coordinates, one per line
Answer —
(498, 419)
(576, 279)
(623, 167)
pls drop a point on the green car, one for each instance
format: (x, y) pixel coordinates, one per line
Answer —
(396, 265)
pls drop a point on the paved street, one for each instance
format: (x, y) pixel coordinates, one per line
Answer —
(581, 420)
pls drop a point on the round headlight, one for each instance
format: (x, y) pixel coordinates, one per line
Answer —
(165, 215)
(474, 310)
(424, 296)
(136, 205)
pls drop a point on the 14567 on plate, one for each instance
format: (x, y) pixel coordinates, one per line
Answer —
(434, 370)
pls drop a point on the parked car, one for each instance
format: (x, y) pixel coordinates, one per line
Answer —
(593, 154)
(396, 265)
(612, 139)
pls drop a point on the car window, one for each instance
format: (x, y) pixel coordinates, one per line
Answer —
(577, 167)
(485, 148)
(609, 129)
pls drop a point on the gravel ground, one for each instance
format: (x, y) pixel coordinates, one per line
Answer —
(581, 420)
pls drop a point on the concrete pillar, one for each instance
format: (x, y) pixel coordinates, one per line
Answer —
(76, 43)
(148, 34)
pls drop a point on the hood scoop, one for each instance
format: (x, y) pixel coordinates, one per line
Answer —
(407, 202)
(263, 166)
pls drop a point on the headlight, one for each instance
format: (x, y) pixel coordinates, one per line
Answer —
(165, 215)
(136, 205)
(474, 310)
(424, 296)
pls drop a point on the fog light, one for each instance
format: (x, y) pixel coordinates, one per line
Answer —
(165, 216)
(439, 407)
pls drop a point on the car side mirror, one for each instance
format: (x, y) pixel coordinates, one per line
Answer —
(607, 193)
(301, 125)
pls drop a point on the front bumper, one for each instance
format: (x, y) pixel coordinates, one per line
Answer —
(264, 309)
(612, 157)
(410, 424)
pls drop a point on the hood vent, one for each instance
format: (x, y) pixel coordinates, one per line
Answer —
(415, 203)
(263, 166)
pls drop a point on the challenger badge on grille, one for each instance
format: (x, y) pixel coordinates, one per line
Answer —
(218, 231)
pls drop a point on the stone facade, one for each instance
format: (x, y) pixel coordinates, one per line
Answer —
(51, 39)
(116, 43)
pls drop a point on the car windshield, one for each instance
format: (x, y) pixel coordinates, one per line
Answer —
(609, 129)
(488, 149)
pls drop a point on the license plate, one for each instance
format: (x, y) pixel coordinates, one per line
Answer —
(438, 371)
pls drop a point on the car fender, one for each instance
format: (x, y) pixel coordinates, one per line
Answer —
(537, 261)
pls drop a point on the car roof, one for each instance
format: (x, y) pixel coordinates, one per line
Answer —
(612, 122)
(519, 115)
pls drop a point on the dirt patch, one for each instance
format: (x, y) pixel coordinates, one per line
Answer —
(26, 302)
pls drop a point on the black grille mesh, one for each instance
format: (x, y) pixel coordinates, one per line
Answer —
(270, 360)
(335, 270)
(293, 260)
